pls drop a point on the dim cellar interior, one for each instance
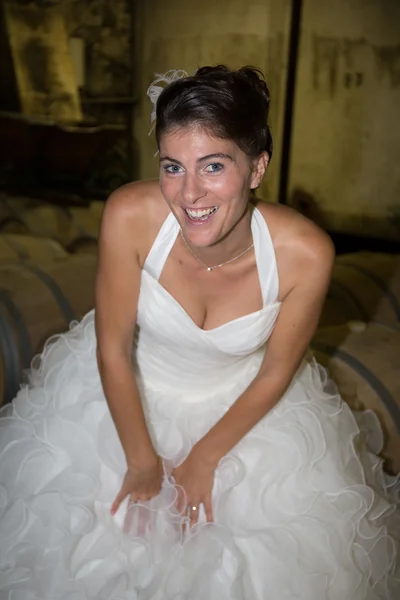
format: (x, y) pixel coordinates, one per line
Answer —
(75, 126)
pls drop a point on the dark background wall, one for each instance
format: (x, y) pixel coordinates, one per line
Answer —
(341, 149)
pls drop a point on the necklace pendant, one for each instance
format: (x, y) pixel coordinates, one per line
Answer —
(209, 269)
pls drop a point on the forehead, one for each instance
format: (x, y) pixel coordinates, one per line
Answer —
(194, 138)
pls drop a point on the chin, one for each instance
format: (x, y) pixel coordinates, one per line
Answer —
(199, 239)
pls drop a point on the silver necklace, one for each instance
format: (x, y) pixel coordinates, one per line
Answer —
(209, 269)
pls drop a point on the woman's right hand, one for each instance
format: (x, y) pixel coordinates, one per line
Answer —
(140, 483)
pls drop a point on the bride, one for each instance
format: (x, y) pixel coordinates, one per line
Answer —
(215, 460)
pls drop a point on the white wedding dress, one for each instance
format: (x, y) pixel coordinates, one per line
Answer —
(301, 507)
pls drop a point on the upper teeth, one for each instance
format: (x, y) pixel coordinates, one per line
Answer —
(201, 212)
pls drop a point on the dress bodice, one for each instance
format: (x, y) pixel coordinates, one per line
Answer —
(170, 344)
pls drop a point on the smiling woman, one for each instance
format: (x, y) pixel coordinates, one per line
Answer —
(180, 442)
(215, 145)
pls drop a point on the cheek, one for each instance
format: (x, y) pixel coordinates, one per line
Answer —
(233, 188)
(168, 187)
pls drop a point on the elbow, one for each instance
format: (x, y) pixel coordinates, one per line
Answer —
(111, 358)
(277, 381)
(101, 363)
(99, 360)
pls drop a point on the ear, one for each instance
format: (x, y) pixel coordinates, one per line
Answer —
(259, 167)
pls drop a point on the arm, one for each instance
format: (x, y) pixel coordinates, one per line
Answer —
(311, 262)
(116, 297)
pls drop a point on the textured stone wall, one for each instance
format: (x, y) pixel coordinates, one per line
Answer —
(105, 26)
(105, 29)
(346, 126)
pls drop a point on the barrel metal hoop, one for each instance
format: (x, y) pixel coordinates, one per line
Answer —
(79, 227)
(55, 289)
(9, 348)
(388, 326)
(80, 238)
(347, 295)
(21, 253)
(8, 220)
(381, 390)
(378, 281)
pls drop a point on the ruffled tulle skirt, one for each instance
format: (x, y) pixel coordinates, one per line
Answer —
(302, 509)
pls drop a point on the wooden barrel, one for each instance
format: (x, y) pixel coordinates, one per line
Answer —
(17, 248)
(10, 211)
(51, 221)
(365, 286)
(364, 361)
(84, 244)
(35, 303)
(59, 223)
(88, 218)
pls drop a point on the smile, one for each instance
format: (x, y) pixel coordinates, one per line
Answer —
(201, 214)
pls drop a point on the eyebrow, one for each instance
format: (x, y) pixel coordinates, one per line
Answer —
(202, 159)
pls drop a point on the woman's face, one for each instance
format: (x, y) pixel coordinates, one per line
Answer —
(206, 182)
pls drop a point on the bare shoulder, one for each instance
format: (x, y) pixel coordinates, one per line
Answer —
(291, 229)
(133, 214)
(136, 200)
(301, 246)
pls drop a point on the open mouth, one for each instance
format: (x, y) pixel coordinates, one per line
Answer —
(201, 214)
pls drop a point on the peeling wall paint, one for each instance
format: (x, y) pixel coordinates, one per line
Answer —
(346, 137)
(330, 55)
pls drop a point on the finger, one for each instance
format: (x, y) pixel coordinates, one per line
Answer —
(193, 513)
(122, 494)
(135, 498)
(146, 497)
(167, 468)
(208, 509)
(180, 502)
(186, 518)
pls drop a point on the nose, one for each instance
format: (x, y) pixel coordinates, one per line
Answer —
(192, 189)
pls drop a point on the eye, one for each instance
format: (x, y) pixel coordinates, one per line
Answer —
(172, 169)
(214, 167)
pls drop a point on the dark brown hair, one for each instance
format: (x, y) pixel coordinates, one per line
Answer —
(230, 104)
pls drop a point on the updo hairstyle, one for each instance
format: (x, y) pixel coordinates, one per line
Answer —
(232, 105)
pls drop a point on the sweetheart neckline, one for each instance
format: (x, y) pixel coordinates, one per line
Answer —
(189, 318)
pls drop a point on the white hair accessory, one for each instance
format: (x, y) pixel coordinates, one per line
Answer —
(154, 90)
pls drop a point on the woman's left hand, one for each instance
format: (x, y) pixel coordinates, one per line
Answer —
(196, 477)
